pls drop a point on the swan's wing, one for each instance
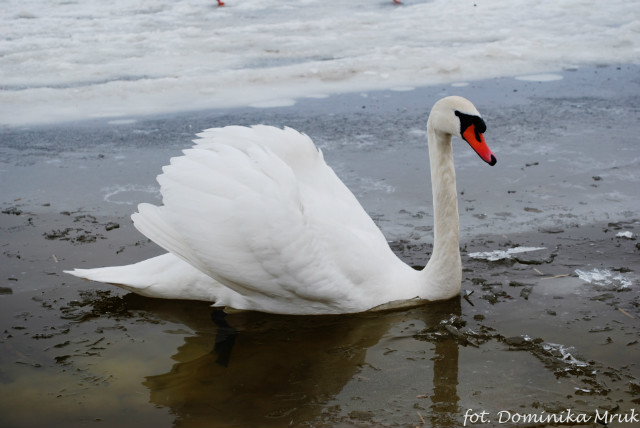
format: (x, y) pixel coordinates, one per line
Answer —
(259, 210)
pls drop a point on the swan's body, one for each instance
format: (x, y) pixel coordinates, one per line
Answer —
(254, 219)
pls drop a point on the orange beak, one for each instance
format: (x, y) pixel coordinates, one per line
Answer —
(477, 143)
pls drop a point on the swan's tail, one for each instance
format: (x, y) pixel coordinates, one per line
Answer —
(165, 276)
(137, 277)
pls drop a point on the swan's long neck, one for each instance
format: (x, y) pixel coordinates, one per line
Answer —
(444, 270)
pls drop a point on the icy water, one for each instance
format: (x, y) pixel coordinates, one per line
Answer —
(550, 331)
(527, 337)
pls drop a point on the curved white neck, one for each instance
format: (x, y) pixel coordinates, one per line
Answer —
(444, 270)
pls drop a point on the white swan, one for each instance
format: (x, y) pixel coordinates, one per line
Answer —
(254, 219)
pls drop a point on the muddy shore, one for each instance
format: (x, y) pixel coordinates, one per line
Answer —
(547, 331)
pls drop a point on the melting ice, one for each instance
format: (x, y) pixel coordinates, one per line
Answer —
(604, 278)
(63, 60)
(496, 255)
(627, 234)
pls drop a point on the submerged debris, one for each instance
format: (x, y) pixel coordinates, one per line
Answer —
(559, 358)
(451, 328)
(96, 304)
(73, 235)
(525, 292)
(111, 225)
(12, 211)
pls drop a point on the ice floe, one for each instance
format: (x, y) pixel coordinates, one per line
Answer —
(496, 255)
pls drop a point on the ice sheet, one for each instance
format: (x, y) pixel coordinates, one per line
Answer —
(63, 59)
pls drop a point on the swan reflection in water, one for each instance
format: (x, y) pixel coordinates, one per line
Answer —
(253, 369)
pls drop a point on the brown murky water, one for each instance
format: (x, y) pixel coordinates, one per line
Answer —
(528, 337)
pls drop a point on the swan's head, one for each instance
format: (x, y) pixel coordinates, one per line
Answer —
(458, 117)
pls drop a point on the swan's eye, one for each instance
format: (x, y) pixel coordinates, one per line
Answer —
(467, 120)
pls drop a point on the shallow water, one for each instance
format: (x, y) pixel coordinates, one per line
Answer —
(528, 336)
